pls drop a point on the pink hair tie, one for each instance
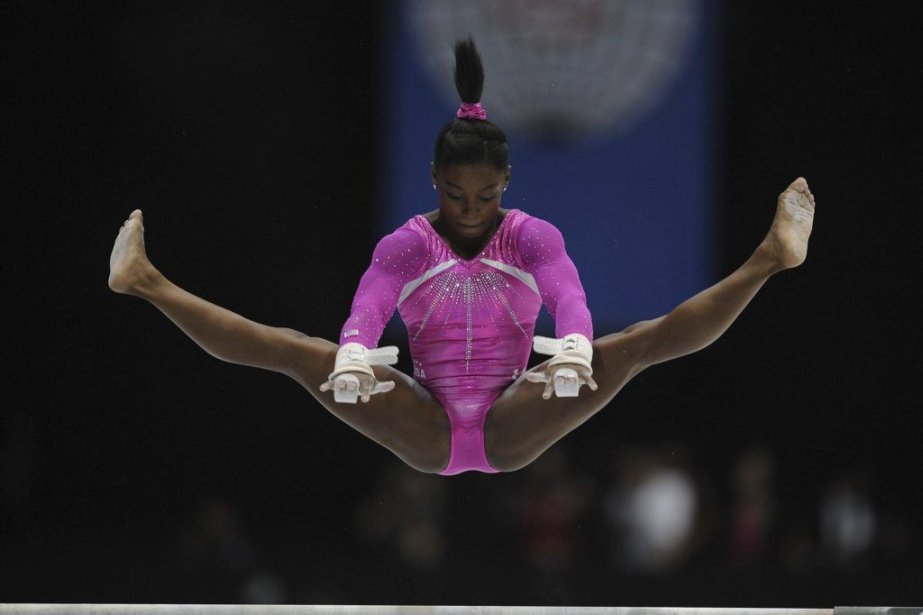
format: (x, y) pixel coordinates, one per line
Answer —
(471, 111)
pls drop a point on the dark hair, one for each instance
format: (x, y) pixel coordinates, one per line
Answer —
(470, 141)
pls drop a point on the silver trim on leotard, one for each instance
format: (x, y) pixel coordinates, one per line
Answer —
(414, 284)
(523, 276)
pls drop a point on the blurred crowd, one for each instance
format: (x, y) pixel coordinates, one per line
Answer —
(557, 531)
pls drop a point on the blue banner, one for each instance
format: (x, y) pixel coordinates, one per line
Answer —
(610, 110)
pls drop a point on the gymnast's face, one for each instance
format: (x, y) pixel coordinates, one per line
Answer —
(469, 198)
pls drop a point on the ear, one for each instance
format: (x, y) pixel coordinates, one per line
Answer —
(509, 172)
(432, 171)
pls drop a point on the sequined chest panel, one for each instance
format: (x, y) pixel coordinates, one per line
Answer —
(470, 317)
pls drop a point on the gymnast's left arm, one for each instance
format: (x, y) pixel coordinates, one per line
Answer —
(541, 247)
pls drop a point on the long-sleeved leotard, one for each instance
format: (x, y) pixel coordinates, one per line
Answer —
(470, 322)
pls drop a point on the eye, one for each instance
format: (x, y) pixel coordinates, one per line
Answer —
(454, 197)
(488, 198)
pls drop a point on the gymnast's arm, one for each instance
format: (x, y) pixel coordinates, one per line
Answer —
(541, 247)
(397, 259)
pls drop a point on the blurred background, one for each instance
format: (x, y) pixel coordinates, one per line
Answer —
(270, 145)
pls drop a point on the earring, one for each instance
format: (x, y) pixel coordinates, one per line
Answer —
(434, 187)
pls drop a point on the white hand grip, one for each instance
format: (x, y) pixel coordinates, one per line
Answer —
(349, 393)
(561, 387)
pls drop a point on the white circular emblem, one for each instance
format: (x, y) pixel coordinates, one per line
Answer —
(559, 69)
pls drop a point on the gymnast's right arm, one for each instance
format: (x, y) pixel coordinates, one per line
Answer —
(397, 259)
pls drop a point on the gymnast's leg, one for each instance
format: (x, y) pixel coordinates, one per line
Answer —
(407, 421)
(521, 425)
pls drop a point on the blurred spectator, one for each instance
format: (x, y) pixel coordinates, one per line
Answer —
(405, 513)
(213, 537)
(848, 519)
(753, 508)
(220, 560)
(550, 511)
(798, 546)
(652, 511)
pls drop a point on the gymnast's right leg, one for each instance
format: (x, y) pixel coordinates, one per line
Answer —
(408, 421)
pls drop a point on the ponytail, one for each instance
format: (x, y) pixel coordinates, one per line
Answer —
(470, 138)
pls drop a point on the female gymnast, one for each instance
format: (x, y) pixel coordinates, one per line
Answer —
(468, 280)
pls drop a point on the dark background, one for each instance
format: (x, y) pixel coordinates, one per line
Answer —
(136, 468)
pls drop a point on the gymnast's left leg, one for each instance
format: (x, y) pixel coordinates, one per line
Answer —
(522, 425)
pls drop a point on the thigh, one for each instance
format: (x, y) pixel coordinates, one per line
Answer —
(521, 425)
(408, 420)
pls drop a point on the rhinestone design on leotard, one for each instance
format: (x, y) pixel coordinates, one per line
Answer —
(483, 292)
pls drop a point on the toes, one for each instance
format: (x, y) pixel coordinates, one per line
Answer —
(800, 185)
(800, 189)
(809, 196)
(135, 215)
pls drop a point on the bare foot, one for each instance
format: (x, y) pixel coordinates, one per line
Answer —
(787, 240)
(128, 264)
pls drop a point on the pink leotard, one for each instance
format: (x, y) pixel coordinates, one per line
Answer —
(470, 322)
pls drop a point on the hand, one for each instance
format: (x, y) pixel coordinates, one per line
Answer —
(565, 379)
(353, 377)
(350, 385)
(570, 367)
